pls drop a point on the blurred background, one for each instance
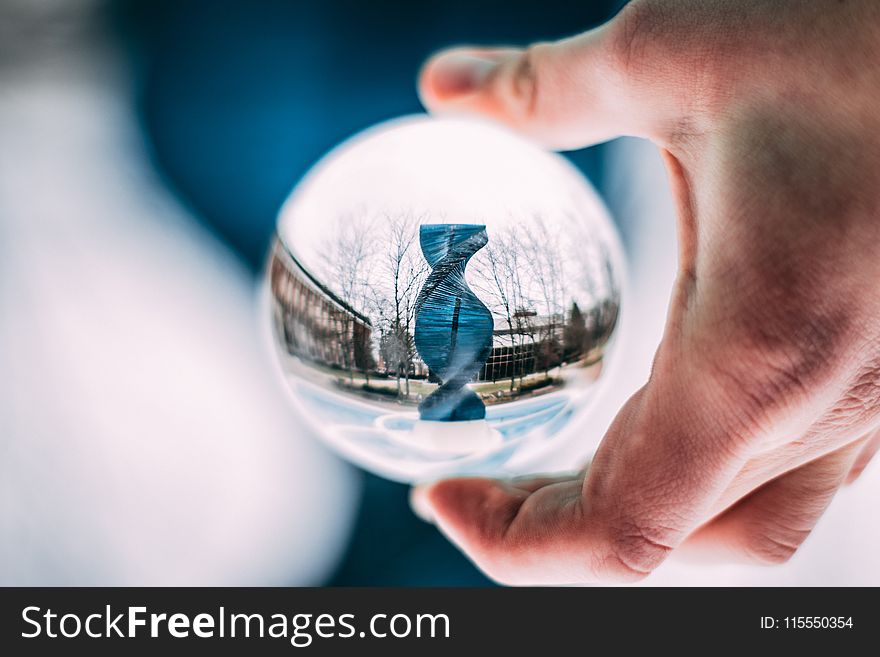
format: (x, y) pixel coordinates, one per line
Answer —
(146, 147)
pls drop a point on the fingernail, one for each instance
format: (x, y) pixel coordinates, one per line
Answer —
(418, 501)
(457, 74)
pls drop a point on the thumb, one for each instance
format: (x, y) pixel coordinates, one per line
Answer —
(566, 94)
(517, 532)
(666, 459)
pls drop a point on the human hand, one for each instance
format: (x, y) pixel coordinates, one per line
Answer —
(764, 397)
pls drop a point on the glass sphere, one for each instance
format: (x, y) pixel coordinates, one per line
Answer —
(442, 296)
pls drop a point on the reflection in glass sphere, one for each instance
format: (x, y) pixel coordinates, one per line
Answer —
(442, 295)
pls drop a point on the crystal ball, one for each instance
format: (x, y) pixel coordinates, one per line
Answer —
(442, 297)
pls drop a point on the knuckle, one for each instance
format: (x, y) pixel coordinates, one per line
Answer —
(860, 403)
(673, 47)
(522, 88)
(638, 550)
(630, 34)
(773, 545)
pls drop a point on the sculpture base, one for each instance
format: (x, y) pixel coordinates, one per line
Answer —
(463, 438)
(466, 437)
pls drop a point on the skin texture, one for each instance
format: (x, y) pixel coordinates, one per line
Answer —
(764, 397)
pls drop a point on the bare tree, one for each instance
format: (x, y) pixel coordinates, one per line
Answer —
(609, 307)
(546, 267)
(498, 278)
(405, 269)
(593, 265)
(409, 269)
(345, 258)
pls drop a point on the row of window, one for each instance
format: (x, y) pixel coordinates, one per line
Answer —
(318, 328)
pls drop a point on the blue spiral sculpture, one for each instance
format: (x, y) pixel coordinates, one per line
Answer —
(453, 332)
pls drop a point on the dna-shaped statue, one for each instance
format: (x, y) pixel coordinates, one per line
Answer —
(453, 332)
